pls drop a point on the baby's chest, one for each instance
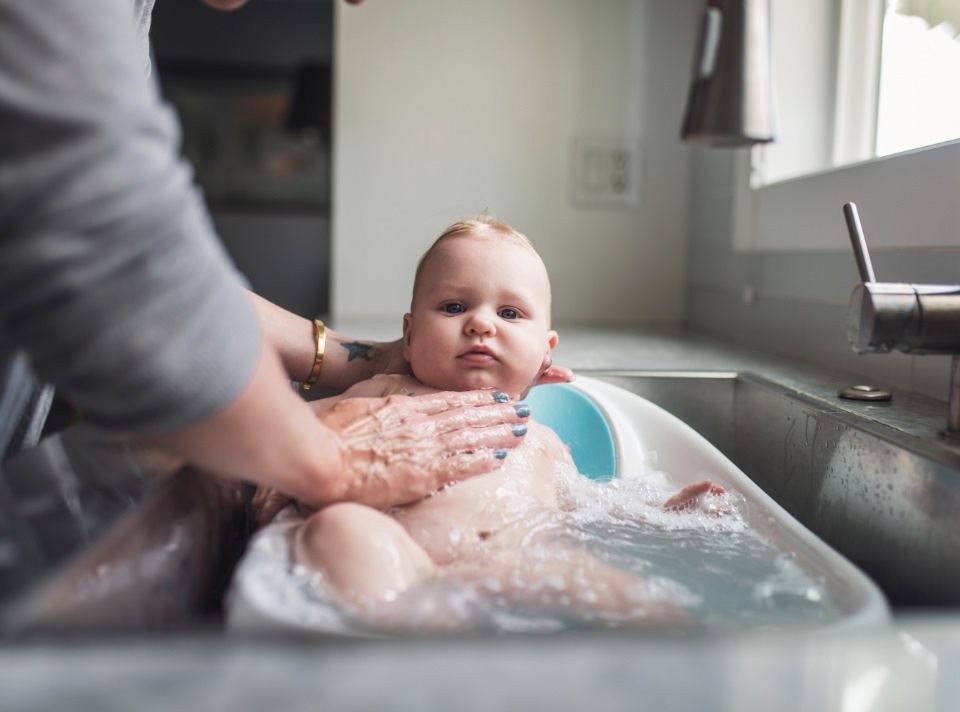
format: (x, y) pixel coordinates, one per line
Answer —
(491, 493)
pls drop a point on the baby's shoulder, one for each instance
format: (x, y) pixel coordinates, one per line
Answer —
(388, 384)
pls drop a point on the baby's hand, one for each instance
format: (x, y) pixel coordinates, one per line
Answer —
(692, 497)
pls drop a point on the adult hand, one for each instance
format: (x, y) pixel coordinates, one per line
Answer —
(399, 449)
(550, 374)
(554, 374)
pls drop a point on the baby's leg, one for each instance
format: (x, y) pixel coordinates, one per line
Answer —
(567, 580)
(365, 554)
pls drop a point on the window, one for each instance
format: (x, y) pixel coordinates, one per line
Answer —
(919, 89)
(858, 79)
(852, 100)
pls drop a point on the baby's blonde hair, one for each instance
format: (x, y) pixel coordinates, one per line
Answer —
(481, 225)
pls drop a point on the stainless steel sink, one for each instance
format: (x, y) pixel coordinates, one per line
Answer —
(97, 548)
(887, 500)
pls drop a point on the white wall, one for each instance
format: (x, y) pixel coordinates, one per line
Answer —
(447, 107)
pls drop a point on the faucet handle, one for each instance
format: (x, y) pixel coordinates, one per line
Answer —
(914, 318)
(859, 242)
(881, 317)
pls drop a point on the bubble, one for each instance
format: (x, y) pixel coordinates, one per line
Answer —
(555, 582)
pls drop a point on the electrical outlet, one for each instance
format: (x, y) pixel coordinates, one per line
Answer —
(606, 171)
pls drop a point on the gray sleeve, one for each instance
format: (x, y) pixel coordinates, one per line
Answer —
(111, 276)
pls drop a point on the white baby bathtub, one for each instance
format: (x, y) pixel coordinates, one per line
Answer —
(639, 427)
(610, 431)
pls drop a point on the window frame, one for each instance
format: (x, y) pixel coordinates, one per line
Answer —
(907, 200)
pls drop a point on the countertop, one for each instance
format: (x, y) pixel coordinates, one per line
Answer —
(915, 414)
(911, 667)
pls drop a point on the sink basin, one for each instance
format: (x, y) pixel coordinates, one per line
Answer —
(888, 501)
(97, 547)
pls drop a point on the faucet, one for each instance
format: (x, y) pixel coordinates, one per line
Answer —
(913, 318)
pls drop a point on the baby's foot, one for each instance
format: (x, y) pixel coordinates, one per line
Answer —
(693, 496)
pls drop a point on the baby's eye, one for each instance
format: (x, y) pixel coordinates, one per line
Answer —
(509, 313)
(453, 308)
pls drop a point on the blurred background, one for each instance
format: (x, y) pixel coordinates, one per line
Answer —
(334, 143)
(252, 89)
(440, 109)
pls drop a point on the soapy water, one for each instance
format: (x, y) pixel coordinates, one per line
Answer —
(615, 559)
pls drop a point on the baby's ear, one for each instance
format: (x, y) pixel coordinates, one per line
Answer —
(552, 339)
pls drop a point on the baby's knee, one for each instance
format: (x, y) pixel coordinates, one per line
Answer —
(361, 549)
(345, 519)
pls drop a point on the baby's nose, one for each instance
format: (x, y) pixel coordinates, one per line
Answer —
(480, 323)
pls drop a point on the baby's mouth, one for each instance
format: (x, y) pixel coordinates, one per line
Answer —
(478, 355)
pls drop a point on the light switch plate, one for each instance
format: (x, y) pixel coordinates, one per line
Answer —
(605, 171)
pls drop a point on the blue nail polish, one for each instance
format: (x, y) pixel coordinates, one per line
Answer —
(500, 397)
(500, 453)
(523, 410)
(519, 430)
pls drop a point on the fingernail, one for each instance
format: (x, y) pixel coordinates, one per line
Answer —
(500, 397)
(500, 453)
(519, 430)
(523, 410)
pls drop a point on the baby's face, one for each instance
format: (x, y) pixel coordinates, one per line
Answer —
(480, 317)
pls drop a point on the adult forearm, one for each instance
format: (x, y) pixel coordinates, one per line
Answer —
(289, 334)
(269, 436)
(346, 360)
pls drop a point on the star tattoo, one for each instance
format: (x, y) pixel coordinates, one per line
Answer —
(358, 350)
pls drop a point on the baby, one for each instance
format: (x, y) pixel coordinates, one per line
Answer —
(479, 318)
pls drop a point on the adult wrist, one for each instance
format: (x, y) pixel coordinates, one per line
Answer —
(320, 342)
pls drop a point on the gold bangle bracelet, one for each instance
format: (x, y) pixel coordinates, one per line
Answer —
(321, 332)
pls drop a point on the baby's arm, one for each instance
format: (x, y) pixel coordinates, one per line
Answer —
(704, 495)
(695, 496)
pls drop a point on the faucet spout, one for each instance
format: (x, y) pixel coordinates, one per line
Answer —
(912, 318)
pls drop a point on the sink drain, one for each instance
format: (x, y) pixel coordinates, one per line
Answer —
(865, 393)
